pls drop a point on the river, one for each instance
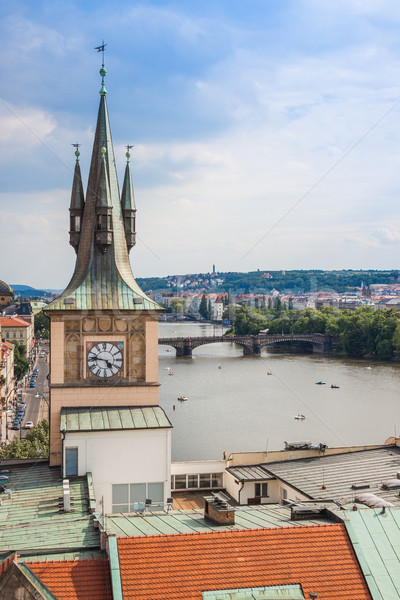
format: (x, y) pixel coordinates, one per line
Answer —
(239, 407)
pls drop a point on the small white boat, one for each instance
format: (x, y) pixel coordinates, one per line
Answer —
(182, 398)
(167, 368)
(300, 417)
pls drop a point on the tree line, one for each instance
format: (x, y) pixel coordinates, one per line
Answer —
(361, 333)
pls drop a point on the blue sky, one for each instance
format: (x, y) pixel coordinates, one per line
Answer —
(266, 133)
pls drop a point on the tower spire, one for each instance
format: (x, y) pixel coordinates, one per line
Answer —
(128, 204)
(103, 278)
(77, 204)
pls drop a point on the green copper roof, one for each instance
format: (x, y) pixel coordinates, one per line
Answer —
(77, 195)
(193, 521)
(103, 278)
(375, 537)
(31, 520)
(127, 196)
(113, 418)
(273, 592)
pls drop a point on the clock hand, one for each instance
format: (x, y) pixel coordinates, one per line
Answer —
(109, 365)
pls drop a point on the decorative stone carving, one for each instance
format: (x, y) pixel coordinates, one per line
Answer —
(72, 357)
(137, 363)
(72, 325)
(120, 325)
(105, 323)
(89, 324)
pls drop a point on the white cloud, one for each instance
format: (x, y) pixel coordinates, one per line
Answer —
(22, 128)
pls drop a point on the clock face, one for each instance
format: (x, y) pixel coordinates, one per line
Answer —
(104, 359)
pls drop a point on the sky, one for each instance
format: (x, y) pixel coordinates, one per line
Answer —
(266, 133)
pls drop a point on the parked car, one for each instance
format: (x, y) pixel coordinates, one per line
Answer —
(15, 426)
(29, 425)
(32, 384)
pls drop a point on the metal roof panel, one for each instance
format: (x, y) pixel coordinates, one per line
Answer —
(108, 418)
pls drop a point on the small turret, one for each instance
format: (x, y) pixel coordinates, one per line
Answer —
(77, 205)
(104, 230)
(128, 205)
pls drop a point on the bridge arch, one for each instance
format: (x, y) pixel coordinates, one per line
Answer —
(251, 344)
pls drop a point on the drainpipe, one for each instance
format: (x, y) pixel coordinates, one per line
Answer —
(240, 489)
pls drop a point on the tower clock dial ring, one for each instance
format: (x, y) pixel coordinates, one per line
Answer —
(104, 359)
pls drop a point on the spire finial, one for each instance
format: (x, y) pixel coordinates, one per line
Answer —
(77, 153)
(128, 155)
(102, 71)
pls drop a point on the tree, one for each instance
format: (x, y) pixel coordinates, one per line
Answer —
(177, 305)
(209, 311)
(41, 324)
(21, 365)
(203, 308)
(35, 444)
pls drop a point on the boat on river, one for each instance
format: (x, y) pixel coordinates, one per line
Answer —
(320, 383)
(300, 417)
(334, 387)
(182, 398)
(171, 373)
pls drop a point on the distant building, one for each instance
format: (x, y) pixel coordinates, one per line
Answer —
(6, 294)
(15, 329)
(7, 381)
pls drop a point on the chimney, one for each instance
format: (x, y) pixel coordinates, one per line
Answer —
(217, 509)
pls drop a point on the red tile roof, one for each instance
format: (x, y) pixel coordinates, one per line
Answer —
(319, 558)
(75, 579)
(15, 322)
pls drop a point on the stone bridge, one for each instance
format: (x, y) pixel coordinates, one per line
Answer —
(251, 344)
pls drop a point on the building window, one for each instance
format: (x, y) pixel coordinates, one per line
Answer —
(21, 334)
(197, 481)
(128, 497)
(261, 490)
(284, 494)
(14, 334)
(71, 461)
(7, 334)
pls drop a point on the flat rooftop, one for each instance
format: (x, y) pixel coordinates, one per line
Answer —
(193, 521)
(32, 521)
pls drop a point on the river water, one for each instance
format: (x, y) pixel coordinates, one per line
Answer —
(239, 407)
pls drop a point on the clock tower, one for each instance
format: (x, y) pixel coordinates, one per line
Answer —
(104, 337)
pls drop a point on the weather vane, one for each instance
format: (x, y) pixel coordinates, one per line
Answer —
(77, 153)
(128, 147)
(101, 49)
